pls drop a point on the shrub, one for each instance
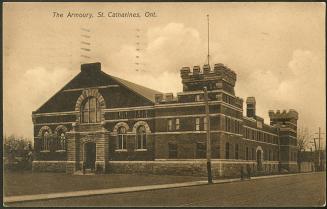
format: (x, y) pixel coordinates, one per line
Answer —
(18, 153)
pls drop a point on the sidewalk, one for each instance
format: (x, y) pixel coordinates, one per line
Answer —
(22, 198)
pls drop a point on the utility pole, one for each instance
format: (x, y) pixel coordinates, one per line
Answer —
(279, 152)
(319, 137)
(208, 136)
(208, 41)
(319, 149)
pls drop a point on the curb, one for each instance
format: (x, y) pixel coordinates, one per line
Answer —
(24, 198)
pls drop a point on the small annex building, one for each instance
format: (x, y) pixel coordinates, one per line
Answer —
(102, 123)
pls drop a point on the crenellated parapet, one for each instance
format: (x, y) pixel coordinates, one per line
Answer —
(283, 115)
(226, 73)
(197, 78)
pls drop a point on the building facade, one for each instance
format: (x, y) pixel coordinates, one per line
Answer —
(107, 124)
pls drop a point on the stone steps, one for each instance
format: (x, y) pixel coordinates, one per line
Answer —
(87, 172)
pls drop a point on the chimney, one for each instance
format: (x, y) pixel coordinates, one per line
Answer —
(250, 107)
(158, 98)
(169, 97)
(91, 67)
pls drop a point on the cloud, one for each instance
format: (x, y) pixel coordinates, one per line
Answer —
(301, 87)
(296, 85)
(28, 91)
(163, 50)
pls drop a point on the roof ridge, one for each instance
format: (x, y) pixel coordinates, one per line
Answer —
(143, 91)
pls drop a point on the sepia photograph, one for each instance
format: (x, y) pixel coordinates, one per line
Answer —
(164, 104)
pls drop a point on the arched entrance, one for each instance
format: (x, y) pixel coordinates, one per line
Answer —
(259, 160)
(259, 156)
(89, 155)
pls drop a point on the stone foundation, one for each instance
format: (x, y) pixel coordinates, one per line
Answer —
(49, 166)
(220, 168)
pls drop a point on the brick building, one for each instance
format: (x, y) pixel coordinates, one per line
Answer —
(107, 124)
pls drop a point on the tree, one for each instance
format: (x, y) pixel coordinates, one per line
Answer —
(303, 141)
(17, 151)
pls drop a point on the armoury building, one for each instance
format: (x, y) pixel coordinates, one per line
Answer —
(105, 124)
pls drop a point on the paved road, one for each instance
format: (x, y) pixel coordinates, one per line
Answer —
(298, 190)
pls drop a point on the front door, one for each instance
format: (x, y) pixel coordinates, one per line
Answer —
(259, 160)
(90, 154)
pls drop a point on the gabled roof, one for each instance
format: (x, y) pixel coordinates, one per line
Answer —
(144, 91)
(65, 99)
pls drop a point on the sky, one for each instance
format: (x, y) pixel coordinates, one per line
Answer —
(276, 49)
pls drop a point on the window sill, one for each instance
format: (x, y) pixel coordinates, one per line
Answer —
(81, 123)
(45, 151)
(121, 150)
(141, 150)
(60, 150)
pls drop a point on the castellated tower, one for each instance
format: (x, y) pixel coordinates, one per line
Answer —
(221, 77)
(286, 122)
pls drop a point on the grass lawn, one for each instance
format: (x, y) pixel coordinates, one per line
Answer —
(26, 183)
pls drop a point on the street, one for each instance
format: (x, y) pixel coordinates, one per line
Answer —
(295, 190)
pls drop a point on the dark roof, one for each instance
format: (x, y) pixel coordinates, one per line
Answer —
(65, 101)
(144, 91)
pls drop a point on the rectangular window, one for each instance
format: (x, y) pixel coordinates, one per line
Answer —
(197, 124)
(227, 151)
(252, 158)
(228, 124)
(172, 149)
(247, 153)
(200, 150)
(236, 151)
(198, 98)
(218, 152)
(237, 130)
(205, 124)
(170, 124)
(177, 124)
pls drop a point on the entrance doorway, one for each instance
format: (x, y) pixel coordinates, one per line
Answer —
(259, 160)
(90, 155)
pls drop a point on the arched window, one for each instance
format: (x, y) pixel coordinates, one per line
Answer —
(141, 138)
(121, 138)
(91, 111)
(62, 141)
(227, 151)
(46, 141)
